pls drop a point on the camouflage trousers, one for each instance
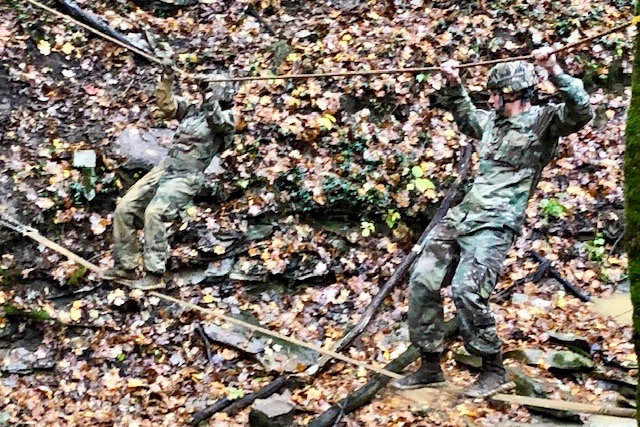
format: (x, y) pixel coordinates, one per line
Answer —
(471, 264)
(156, 198)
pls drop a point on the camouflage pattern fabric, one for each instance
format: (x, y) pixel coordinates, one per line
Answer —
(471, 265)
(510, 77)
(168, 188)
(512, 153)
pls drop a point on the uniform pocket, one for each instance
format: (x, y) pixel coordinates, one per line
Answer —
(515, 148)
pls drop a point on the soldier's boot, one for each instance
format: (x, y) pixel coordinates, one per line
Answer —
(428, 374)
(119, 272)
(493, 378)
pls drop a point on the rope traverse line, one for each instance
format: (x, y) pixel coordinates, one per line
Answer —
(201, 77)
(13, 224)
(35, 235)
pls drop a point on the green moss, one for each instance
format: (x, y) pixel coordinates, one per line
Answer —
(632, 193)
(12, 311)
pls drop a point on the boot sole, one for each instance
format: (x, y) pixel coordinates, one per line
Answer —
(417, 386)
(504, 387)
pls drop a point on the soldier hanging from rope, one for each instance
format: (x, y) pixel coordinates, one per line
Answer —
(466, 250)
(159, 196)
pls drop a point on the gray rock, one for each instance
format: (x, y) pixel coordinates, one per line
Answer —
(526, 386)
(22, 361)
(143, 149)
(84, 159)
(530, 356)
(569, 361)
(516, 298)
(274, 411)
(461, 355)
(219, 269)
(571, 341)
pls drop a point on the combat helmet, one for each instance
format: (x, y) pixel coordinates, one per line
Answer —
(510, 77)
(220, 91)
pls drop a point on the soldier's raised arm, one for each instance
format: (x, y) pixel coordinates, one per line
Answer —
(218, 100)
(471, 120)
(169, 105)
(576, 110)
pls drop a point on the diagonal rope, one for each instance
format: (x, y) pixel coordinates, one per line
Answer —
(12, 223)
(201, 77)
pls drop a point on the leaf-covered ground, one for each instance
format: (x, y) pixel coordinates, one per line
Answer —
(369, 152)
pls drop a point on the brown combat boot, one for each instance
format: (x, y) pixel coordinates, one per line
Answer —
(428, 374)
(493, 378)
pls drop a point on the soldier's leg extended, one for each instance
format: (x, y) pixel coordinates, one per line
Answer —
(426, 315)
(126, 249)
(173, 194)
(481, 258)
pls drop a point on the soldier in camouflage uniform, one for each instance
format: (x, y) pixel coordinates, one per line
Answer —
(466, 250)
(162, 193)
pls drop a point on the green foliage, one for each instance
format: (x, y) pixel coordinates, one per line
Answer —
(234, 393)
(595, 248)
(552, 208)
(391, 218)
(367, 228)
(77, 274)
(291, 182)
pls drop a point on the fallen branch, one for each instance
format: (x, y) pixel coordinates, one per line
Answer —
(251, 11)
(383, 293)
(205, 340)
(96, 22)
(578, 293)
(209, 411)
(232, 407)
(366, 393)
(534, 277)
(403, 268)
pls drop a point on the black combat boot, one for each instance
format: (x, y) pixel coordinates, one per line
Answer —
(493, 378)
(427, 375)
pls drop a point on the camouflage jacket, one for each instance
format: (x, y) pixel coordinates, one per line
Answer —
(512, 153)
(202, 133)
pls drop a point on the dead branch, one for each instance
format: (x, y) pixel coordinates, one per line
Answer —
(573, 289)
(91, 19)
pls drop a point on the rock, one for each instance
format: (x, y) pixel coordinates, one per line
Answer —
(461, 355)
(517, 298)
(84, 159)
(143, 149)
(618, 381)
(274, 411)
(272, 353)
(219, 269)
(526, 386)
(530, 356)
(22, 361)
(571, 341)
(234, 336)
(567, 360)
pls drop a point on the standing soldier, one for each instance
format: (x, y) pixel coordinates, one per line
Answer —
(516, 141)
(159, 196)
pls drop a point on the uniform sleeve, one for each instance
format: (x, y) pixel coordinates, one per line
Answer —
(169, 105)
(576, 111)
(471, 120)
(221, 122)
